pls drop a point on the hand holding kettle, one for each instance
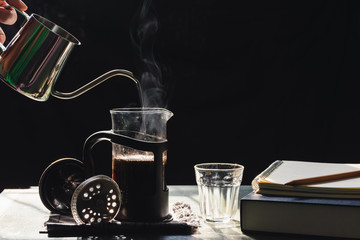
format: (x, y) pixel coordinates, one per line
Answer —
(8, 15)
(33, 59)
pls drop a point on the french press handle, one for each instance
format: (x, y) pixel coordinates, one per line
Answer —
(158, 147)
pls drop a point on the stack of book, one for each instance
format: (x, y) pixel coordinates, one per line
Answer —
(311, 198)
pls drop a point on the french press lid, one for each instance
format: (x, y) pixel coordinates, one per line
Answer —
(58, 183)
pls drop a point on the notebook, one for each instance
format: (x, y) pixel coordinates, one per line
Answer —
(273, 179)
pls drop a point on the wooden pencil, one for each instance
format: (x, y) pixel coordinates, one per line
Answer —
(324, 179)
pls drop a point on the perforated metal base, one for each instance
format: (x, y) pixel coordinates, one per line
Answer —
(96, 200)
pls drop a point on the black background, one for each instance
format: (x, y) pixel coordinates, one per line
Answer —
(248, 82)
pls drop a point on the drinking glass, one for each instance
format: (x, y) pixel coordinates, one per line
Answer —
(218, 186)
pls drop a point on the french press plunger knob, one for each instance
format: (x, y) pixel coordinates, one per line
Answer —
(64, 189)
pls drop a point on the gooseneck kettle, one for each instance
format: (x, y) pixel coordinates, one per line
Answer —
(33, 59)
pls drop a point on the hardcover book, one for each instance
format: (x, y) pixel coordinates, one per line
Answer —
(297, 215)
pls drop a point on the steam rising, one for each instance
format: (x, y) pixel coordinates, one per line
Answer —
(144, 28)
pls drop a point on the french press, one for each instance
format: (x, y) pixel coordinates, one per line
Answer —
(138, 138)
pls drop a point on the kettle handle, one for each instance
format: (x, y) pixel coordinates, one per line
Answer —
(24, 14)
(97, 81)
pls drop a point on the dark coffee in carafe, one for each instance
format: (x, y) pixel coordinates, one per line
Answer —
(136, 179)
